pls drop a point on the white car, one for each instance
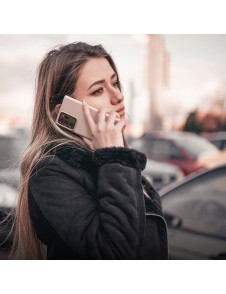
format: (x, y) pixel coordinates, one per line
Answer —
(8, 200)
(8, 196)
(161, 174)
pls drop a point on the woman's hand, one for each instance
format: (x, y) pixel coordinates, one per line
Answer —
(105, 132)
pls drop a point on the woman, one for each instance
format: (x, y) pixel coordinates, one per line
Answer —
(82, 199)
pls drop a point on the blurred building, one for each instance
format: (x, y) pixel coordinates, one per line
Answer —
(157, 78)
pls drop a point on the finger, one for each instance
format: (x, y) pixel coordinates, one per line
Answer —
(112, 118)
(122, 123)
(88, 116)
(101, 116)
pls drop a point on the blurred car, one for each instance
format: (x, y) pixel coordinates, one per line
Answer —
(216, 138)
(188, 151)
(161, 174)
(195, 212)
(10, 176)
(7, 150)
(8, 200)
(11, 147)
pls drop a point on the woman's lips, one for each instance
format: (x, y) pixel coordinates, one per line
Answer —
(121, 111)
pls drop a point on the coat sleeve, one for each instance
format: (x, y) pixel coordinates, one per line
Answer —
(108, 225)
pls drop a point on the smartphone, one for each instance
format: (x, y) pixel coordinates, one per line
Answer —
(71, 117)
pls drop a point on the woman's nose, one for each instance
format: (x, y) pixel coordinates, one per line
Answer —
(117, 98)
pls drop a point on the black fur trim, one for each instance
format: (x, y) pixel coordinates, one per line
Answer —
(125, 156)
(82, 158)
(72, 155)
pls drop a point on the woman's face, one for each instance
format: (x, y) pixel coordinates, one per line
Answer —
(98, 86)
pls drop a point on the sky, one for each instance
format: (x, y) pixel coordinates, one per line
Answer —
(197, 68)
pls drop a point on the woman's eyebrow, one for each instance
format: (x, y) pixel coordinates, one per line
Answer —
(101, 81)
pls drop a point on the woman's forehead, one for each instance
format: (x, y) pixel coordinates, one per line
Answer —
(95, 69)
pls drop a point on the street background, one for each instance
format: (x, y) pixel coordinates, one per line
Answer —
(164, 77)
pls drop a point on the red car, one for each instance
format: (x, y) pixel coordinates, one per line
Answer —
(183, 149)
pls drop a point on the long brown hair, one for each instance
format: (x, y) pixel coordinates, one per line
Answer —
(57, 76)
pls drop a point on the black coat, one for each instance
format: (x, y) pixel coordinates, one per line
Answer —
(90, 205)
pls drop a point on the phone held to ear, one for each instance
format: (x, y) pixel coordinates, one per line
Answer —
(71, 117)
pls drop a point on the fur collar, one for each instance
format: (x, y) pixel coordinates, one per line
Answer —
(78, 157)
(73, 155)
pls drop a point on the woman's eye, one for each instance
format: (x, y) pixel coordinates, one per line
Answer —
(97, 92)
(116, 84)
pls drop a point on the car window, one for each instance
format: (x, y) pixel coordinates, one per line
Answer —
(218, 143)
(223, 144)
(195, 146)
(200, 204)
(165, 149)
(142, 144)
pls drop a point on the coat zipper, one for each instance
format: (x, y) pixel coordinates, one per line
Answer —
(159, 216)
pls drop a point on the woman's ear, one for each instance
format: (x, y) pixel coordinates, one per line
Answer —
(57, 108)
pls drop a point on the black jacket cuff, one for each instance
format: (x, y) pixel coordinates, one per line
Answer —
(125, 156)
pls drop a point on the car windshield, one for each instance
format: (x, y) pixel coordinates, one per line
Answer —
(195, 146)
(200, 203)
